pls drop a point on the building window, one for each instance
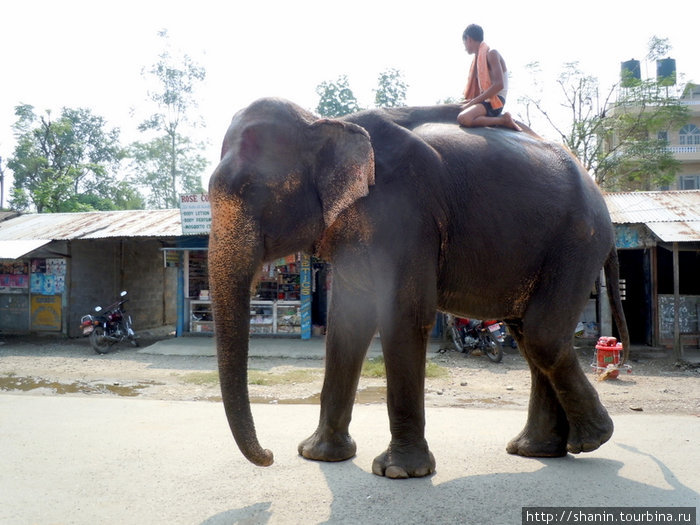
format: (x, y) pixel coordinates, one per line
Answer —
(662, 136)
(690, 182)
(690, 135)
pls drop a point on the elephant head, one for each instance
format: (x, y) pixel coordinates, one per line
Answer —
(284, 178)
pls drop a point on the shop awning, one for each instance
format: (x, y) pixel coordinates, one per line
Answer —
(676, 231)
(17, 248)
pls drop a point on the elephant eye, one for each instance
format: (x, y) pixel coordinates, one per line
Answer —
(254, 193)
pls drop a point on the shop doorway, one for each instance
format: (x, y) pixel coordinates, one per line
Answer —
(320, 289)
(636, 285)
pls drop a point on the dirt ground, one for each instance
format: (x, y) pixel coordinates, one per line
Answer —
(49, 366)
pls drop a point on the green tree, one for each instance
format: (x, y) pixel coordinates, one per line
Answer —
(584, 112)
(336, 98)
(170, 162)
(391, 91)
(658, 48)
(634, 131)
(168, 172)
(67, 164)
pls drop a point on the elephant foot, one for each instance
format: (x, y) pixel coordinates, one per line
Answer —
(404, 462)
(589, 434)
(537, 445)
(320, 447)
(583, 435)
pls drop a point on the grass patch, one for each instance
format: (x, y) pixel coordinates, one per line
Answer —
(371, 368)
(202, 378)
(434, 370)
(374, 367)
(288, 377)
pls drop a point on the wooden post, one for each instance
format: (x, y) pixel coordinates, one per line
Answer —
(677, 350)
(605, 315)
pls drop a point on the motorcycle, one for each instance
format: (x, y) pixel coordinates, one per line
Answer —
(108, 327)
(470, 335)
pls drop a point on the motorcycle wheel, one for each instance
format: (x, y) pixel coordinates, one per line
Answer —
(99, 343)
(456, 337)
(493, 348)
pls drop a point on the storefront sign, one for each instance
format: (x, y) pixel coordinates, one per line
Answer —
(632, 236)
(48, 276)
(305, 285)
(195, 214)
(46, 312)
(14, 277)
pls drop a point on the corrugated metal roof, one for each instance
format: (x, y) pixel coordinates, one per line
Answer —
(673, 216)
(17, 248)
(676, 231)
(653, 206)
(92, 225)
(4, 215)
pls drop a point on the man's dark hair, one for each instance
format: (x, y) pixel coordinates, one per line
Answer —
(474, 31)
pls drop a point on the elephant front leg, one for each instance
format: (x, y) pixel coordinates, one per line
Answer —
(408, 455)
(352, 323)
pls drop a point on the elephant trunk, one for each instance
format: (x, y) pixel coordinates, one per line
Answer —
(234, 258)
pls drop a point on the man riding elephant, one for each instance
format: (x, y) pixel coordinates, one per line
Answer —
(487, 85)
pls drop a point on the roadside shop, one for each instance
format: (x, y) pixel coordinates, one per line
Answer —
(289, 299)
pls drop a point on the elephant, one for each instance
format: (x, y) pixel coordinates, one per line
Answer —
(416, 215)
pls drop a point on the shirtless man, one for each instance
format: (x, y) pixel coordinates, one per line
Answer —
(486, 91)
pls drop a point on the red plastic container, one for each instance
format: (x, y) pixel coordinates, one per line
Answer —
(607, 352)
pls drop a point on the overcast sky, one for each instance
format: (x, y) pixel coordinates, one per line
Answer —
(75, 53)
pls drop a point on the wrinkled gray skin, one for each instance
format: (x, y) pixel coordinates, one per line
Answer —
(415, 214)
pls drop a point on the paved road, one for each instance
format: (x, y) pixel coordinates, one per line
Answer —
(83, 460)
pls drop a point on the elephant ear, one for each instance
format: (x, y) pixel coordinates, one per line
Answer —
(343, 165)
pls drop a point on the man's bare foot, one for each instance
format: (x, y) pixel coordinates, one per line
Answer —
(510, 123)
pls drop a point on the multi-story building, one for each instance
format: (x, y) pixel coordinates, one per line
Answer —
(684, 143)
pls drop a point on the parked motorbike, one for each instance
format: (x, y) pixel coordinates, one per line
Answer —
(109, 327)
(507, 339)
(470, 335)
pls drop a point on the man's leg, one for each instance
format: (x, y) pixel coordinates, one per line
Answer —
(467, 117)
(476, 116)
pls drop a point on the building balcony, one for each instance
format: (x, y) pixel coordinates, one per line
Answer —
(685, 153)
(693, 106)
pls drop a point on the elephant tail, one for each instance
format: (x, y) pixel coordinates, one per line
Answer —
(612, 278)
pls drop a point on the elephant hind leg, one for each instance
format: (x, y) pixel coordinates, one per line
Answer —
(547, 429)
(589, 423)
(563, 403)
